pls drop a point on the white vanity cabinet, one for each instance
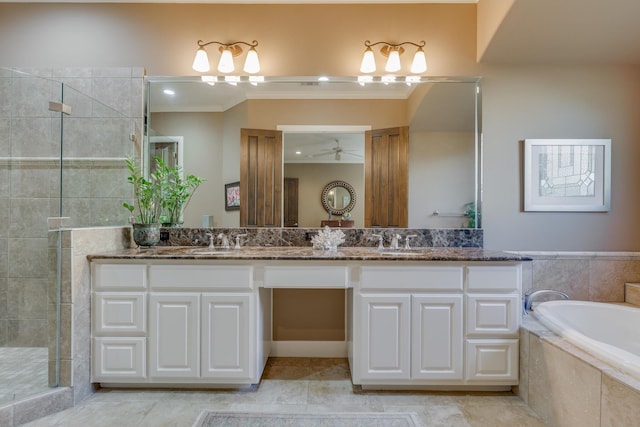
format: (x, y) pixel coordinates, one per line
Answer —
(410, 324)
(197, 322)
(439, 324)
(119, 323)
(203, 324)
(493, 313)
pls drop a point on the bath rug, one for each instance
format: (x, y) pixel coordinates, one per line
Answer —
(331, 419)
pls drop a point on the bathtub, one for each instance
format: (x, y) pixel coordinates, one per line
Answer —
(611, 332)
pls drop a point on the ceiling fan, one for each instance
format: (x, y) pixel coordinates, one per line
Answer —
(337, 152)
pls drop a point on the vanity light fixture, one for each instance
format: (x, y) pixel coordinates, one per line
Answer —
(392, 52)
(228, 51)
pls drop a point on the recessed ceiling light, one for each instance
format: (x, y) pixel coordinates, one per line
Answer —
(169, 92)
(323, 79)
(298, 152)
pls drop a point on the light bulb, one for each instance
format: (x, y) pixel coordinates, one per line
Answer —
(419, 64)
(252, 64)
(201, 61)
(226, 61)
(368, 62)
(393, 63)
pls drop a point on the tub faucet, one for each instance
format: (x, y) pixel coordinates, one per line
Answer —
(530, 295)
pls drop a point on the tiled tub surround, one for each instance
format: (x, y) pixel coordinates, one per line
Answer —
(563, 384)
(354, 237)
(568, 387)
(586, 276)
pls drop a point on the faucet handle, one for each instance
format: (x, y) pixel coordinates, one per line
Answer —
(380, 240)
(238, 236)
(407, 239)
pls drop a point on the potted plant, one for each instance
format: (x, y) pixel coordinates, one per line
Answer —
(175, 192)
(146, 205)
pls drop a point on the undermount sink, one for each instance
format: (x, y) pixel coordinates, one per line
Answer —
(208, 251)
(400, 252)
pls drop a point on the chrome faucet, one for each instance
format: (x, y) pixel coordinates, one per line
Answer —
(380, 240)
(225, 241)
(238, 236)
(211, 241)
(530, 295)
(406, 240)
(395, 238)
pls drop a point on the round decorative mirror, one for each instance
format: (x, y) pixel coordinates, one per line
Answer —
(338, 197)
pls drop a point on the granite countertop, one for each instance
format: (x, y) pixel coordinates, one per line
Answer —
(308, 253)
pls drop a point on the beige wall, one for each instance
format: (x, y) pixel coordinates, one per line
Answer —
(560, 102)
(203, 151)
(312, 179)
(441, 177)
(293, 39)
(584, 100)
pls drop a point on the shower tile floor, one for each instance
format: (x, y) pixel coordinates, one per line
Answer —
(23, 372)
(294, 385)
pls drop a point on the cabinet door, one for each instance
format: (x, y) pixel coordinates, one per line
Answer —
(386, 336)
(436, 341)
(119, 313)
(493, 315)
(226, 336)
(492, 361)
(118, 360)
(174, 335)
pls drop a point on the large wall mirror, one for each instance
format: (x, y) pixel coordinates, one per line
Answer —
(323, 126)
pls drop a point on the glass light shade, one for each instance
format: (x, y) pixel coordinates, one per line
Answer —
(393, 63)
(201, 61)
(226, 62)
(368, 62)
(252, 64)
(419, 64)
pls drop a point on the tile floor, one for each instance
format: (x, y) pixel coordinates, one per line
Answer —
(23, 372)
(295, 385)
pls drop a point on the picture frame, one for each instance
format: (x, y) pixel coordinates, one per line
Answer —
(232, 196)
(567, 175)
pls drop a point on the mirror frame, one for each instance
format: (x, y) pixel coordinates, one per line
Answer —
(325, 196)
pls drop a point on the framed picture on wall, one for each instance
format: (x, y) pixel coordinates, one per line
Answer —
(232, 196)
(567, 175)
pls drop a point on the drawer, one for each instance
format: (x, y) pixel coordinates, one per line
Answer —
(494, 315)
(412, 277)
(118, 360)
(494, 278)
(492, 361)
(306, 276)
(200, 276)
(119, 276)
(119, 313)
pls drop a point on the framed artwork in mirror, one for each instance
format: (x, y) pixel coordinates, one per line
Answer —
(232, 196)
(567, 175)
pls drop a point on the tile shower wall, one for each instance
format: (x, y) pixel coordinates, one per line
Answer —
(95, 137)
